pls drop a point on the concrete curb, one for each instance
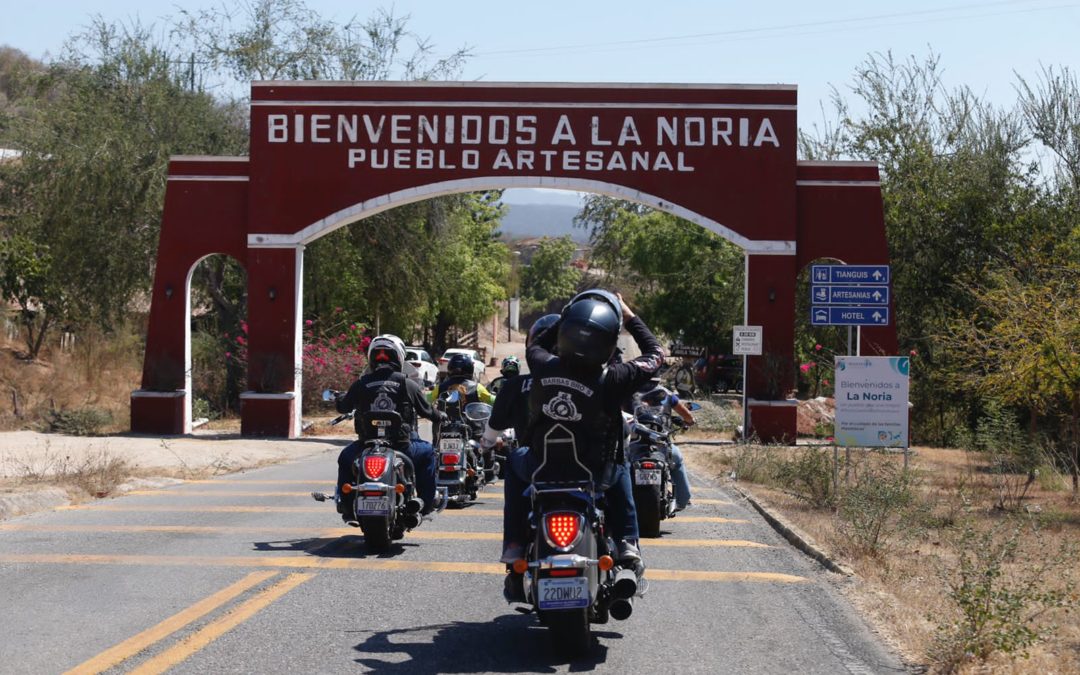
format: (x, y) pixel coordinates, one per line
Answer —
(795, 537)
(14, 504)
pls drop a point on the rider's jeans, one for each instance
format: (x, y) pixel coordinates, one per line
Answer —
(621, 511)
(679, 478)
(420, 452)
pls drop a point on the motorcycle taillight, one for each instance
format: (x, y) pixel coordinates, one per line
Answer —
(450, 459)
(563, 529)
(648, 465)
(374, 466)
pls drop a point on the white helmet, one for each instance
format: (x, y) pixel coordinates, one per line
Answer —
(386, 351)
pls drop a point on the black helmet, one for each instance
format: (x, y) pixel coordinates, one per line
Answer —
(540, 325)
(590, 329)
(460, 364)
(511, 366)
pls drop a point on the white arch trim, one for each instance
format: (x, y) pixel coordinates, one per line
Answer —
(419, 193)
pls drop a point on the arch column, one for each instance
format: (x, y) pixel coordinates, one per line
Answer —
(271, 406)
(770, 303)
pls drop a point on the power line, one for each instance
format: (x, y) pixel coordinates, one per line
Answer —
(762, 32)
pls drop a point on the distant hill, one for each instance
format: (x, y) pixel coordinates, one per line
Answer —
(541, 220)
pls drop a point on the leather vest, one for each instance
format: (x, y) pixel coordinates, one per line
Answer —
(386, 392)
(558, 397)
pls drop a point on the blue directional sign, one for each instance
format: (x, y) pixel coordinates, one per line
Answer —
(849, 274)
(832, 315)
(849, 295)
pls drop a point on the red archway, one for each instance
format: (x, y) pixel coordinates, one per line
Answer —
(324, 155)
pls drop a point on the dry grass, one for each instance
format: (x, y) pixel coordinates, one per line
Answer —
(96, 475)
(904, 590)
(99, 374)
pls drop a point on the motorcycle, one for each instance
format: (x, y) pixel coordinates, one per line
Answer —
(463, 469)
(385, 503)
(652, 429)
(569, 575)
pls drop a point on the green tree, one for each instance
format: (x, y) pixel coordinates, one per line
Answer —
(96, 135)
(26, 279)
(549, 275)
(687, 281)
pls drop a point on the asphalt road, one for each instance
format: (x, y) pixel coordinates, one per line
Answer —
(248, 574)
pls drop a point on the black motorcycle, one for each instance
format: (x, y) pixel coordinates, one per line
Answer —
(463, 468)
(385, 504)
(569, 574)
(652, 432)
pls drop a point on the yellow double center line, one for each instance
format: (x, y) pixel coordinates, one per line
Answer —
(196, 641)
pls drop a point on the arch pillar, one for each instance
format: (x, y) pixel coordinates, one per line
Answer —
(271, 406)
(770, 303)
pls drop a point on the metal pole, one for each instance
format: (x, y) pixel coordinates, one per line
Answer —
(858, 340)
(849, 341)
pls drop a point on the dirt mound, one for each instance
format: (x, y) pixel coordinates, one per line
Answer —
(815, 416)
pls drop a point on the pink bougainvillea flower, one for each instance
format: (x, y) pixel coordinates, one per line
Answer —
(914, 353)
(308, 322)
(825, 382)
(806, 367)
(228, 355)
(817, 348)
(243, 326)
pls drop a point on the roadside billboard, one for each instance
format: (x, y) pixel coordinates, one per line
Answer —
(872, 401)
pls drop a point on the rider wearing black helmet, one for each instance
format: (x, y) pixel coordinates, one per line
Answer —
(385, 387)
(459, 376)
(511, 408)
(580, 390)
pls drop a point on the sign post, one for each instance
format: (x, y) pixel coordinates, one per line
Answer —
(746, 341)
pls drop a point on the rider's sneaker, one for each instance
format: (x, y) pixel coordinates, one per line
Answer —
(350, 520)
(683, 507)
(629, 554)
(512, 552)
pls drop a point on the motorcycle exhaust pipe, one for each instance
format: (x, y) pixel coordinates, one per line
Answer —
(621, 608)
(410, 520)
(625, 585)
(414, 505)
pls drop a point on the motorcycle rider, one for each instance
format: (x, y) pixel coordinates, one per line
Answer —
(384, 387)
(511, 407)
(511, 367)
(575, 389)
(459, 375)
(652, 393)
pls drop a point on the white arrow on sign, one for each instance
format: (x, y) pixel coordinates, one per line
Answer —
(877, 295)
(877, 275)
(877, 316)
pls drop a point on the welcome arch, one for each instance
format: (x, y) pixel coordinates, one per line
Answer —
(324, 155)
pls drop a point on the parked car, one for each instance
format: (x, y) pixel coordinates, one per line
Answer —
(426, 368)
(478, 362)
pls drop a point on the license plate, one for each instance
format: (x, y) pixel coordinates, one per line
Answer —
(373, 506)
(565, 593)
(647, 477)
(450, 444)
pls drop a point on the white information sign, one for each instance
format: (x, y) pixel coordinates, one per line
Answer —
(872, 401)
(746, 340)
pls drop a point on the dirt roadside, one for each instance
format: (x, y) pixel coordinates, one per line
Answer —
(41, 471)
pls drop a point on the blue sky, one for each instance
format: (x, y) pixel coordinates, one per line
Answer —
(810, 44)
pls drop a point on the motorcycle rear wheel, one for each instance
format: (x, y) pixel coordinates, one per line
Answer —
(647, 500)
(376, 533)
(570, 632)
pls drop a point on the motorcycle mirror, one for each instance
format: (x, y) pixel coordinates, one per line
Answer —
(691, 406)
(328, 395)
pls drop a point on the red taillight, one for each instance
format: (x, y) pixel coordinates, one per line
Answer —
(374, 466)
(562, 528)
(450, 458)
(648, 465)
(565, 573)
